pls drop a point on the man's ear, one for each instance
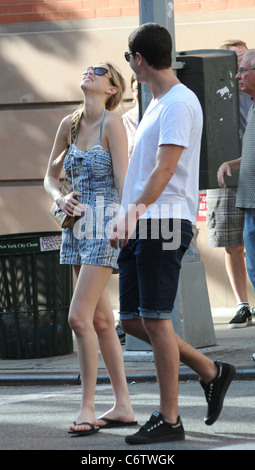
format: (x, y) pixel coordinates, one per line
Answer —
(140, 58)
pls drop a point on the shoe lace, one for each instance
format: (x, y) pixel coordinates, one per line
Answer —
(209, 392)
(150, 425)
(241, 312)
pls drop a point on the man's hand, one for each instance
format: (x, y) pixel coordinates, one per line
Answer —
(224, 170)
(123, 230)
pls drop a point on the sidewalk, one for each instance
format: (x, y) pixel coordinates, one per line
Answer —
(235, 346)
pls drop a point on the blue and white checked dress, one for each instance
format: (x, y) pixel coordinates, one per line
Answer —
(87, 242)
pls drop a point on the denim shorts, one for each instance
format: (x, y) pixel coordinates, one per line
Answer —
(249, 242)
(149, 268)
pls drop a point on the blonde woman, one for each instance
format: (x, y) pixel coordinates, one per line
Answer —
(99, 158)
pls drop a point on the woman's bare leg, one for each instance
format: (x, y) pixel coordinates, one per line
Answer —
(113, 358)
(91, 282)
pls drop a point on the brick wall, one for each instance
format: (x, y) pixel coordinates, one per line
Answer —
(13, 11)
(184, 6)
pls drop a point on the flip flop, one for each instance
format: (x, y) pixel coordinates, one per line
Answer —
(115, 423)
(93, 429)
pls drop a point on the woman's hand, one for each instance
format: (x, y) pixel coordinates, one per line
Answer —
(70, 205)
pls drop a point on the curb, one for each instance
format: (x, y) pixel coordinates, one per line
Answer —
(243, 373)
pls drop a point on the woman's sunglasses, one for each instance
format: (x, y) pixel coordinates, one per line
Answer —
(98, 71)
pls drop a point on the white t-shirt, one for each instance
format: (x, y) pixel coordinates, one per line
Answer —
(177, 119)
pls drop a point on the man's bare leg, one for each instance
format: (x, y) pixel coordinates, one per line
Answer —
(198, 362)
(167, 361)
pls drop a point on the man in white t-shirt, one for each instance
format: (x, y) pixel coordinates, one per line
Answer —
(160, 200)
(159, 127)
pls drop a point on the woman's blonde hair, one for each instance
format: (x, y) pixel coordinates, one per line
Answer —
(111, 104)
(75, 118)
(119, 83)
(75, 121)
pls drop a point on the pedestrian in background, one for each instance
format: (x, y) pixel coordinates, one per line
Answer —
(245, 165)
(226, 222)
(131, 117)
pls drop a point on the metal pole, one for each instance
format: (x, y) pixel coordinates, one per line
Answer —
(161, 12)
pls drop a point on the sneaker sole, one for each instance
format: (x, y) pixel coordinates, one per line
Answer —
(240, 325)
(209, 421)
(147, 440)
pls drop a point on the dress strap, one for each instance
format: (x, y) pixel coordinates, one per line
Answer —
(101, 124)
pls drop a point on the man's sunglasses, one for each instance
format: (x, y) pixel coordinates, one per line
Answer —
(98, 71)
(127, 55)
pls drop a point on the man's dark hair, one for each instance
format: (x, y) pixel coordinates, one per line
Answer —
(154, 43)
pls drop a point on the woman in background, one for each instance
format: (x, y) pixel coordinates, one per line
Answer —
(131, 117)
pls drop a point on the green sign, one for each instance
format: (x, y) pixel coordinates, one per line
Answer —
(29, 245)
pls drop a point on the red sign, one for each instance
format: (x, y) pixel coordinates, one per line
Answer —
(201, 216)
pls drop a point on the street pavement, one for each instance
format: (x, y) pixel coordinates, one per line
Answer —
(235, 346)
(40, 399)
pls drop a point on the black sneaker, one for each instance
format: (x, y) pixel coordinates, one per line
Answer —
(121, 334)
(157, 430)
(216, 390)
(242, 318)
